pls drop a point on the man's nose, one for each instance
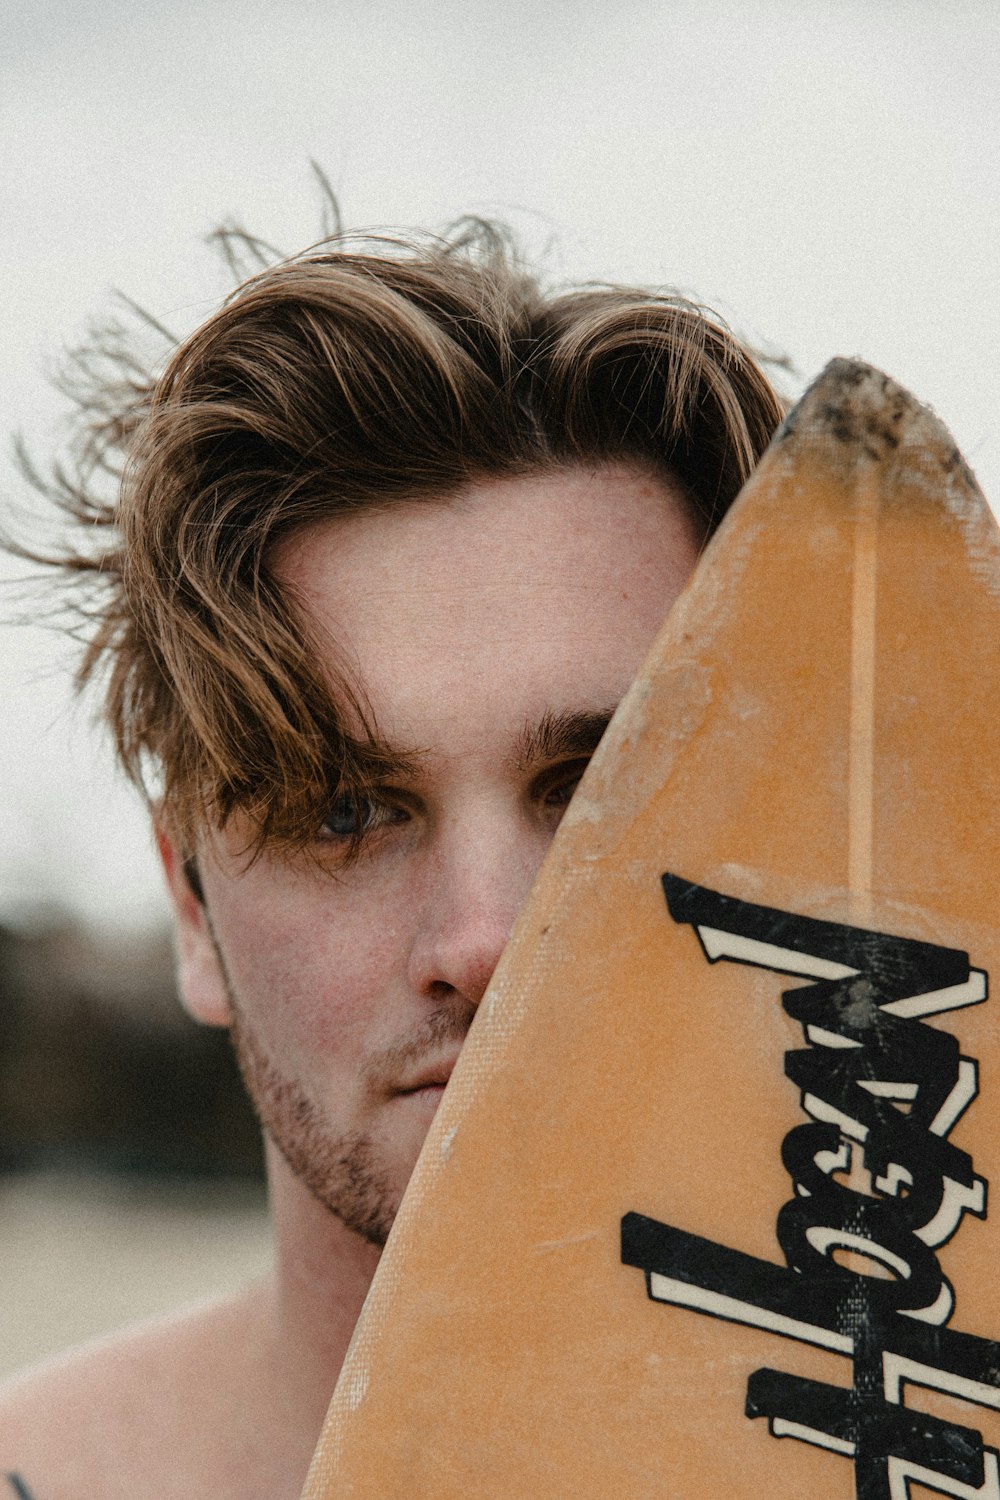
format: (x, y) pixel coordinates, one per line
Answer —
(477, 880)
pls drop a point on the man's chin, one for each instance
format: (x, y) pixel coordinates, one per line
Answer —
(351, 1181)
(360, 1178)
(371, 1172)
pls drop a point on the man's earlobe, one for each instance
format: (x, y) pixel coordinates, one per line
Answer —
(201, 977)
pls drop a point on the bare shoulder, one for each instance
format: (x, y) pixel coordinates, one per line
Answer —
(147, 1411)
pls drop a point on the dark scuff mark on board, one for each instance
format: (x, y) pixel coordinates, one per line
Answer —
(19, 1487)
(863, 408)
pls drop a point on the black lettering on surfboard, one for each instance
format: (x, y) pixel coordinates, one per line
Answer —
(875, 1179)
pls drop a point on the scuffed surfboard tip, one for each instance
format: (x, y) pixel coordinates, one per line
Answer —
(863, 416)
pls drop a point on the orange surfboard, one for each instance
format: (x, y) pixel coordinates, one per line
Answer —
(704, 1210)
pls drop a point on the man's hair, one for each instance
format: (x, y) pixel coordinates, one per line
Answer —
(358, 374)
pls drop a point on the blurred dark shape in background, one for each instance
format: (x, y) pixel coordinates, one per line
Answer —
(100, 1069)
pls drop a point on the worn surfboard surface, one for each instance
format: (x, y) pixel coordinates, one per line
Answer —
(704, 1210)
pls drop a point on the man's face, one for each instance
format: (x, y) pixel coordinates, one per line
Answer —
(492, 636)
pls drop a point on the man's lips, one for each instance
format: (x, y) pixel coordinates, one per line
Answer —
(433, 1075)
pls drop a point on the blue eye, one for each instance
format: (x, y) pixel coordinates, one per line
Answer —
(356, 814)
(558, 785)
(349, 816)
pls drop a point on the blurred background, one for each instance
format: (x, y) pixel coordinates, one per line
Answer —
(825, 175)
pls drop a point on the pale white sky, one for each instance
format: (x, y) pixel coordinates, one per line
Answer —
(826, 174)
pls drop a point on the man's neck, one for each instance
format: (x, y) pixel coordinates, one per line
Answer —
(322, 1274)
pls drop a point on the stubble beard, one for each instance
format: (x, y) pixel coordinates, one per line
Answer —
(341, 1171)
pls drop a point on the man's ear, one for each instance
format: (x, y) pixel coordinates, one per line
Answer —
(200, 976)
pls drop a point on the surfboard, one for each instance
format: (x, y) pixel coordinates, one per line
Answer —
(704, 1210)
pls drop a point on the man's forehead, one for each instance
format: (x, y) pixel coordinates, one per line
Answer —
(514, 600)
(498, 535)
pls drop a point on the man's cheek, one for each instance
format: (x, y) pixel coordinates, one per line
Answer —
(313, 1002)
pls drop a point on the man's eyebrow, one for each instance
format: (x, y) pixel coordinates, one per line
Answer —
(555, 736)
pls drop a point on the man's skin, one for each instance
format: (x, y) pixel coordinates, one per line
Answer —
(492, 635)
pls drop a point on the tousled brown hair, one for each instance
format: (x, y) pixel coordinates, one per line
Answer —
(355, 374)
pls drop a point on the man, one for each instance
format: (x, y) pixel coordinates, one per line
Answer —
(396, 531)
